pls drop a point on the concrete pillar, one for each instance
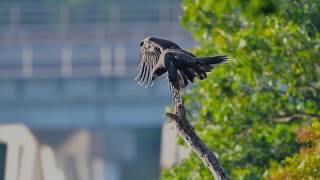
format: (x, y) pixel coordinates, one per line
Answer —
(74, 156)
(171, 152)
(22, 161)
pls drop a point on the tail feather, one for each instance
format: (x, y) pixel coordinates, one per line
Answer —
(212, 60)
(207, 63)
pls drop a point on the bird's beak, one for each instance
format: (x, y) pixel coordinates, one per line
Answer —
(141, 43)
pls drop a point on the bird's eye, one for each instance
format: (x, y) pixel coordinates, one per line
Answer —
(141, 43)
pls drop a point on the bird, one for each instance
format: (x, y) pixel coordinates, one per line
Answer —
(160, 56)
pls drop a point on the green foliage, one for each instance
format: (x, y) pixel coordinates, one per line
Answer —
(273, 76)
(306, 163)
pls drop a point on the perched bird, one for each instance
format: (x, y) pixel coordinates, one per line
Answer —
(158, 56)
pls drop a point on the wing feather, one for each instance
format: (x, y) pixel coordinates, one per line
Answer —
(148, 59)
(186, 68)
(146, 77)
(140, 69)
(143, 74)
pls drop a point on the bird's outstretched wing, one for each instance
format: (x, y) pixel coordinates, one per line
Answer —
(183, 67)
(149, 56)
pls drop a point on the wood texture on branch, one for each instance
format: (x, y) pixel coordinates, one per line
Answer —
(188, 134)
(289, 117)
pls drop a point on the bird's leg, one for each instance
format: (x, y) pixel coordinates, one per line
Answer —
(176, 97)
(178, 100)
(173, 81)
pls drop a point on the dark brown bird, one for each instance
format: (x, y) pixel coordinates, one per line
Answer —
(158, 56)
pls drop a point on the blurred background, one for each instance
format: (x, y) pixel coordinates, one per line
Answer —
(69, 107)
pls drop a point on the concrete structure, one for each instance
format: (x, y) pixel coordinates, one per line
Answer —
(24, 158)
(67, 70)
(22, 153)
(171, 152)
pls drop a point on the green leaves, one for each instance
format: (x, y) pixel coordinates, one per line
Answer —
(274, 71)
(306, 163)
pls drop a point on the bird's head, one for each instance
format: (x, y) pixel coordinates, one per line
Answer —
(158, 43)
(149, 44)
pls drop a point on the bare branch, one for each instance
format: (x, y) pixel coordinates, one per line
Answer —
(289, 117)
(190, 137)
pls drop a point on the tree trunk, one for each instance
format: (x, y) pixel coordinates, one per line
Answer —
(190, 137)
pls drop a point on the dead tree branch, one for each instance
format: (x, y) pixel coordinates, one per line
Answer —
(290, 117)
(190, 137)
